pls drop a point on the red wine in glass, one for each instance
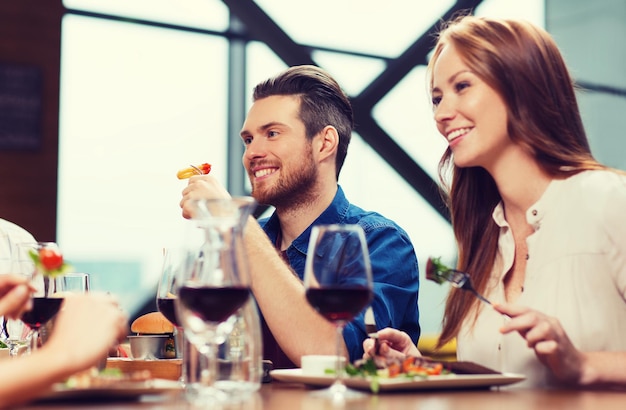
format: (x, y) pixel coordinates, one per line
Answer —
(339, 303)
(43, 310)
(213, 304)
(166, 307)
(338, 285)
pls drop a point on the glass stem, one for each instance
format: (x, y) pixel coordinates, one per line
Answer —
(14, 348)
(34, 340)
(183, 347)
(338, 362)
(209, 374)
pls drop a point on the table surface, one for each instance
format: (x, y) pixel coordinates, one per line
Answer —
(279, 395)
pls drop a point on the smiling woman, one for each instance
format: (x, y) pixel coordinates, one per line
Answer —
(536, 261)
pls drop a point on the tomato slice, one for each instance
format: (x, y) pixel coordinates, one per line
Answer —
(50, 259)
(206, 168)
(394, 369)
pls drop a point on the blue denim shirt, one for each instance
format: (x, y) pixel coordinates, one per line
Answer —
(394, 271)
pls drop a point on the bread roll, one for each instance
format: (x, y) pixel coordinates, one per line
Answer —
(153, 323)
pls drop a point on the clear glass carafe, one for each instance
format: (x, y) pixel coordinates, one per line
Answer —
(214, 293)
(240, 357)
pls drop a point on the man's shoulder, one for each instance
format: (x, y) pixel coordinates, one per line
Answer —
(15, 232)
(371, 220)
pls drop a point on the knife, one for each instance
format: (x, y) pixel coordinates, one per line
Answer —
(370, 323)
(371, 328)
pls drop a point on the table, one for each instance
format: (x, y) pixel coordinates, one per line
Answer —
(277, 395)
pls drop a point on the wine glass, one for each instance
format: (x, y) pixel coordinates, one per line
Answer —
(16, 335)
(214, 282)
(15, 332)
(338, 283)
(167, 293)
(48, 296)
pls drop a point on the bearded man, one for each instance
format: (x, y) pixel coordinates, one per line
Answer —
(296, 136)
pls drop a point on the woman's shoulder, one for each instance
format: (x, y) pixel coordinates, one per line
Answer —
(598, 192)
(598, 182)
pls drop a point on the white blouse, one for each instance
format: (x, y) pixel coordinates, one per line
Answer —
(576, 272)
(11, 233)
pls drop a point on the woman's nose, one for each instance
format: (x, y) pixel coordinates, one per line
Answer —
(444, 111)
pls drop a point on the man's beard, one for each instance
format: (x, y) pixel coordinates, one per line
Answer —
(290, 190)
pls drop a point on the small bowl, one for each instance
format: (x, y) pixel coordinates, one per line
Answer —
(153, 347)
(318, 365)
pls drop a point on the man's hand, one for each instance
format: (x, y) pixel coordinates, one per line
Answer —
(391, 343)
(201, 187)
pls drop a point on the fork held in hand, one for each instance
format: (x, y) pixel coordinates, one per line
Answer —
(438, 272)
(462, 280)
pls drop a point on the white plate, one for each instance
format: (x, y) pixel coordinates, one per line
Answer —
(124, 390)
(451, 381)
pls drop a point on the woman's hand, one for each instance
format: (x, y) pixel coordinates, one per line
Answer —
(15, 291)
(391, 343)
(85, 328)
(546, 336)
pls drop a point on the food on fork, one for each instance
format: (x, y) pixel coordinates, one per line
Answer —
(437, 271)
(153, 323)
(192, 170)
(440, 273)
(49, 260)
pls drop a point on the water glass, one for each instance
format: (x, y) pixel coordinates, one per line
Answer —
(75, 282)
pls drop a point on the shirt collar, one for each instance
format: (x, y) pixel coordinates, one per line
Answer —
(536, 212)
(334, 214)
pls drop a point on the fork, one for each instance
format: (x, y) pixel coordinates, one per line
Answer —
(462, 280)
(438, 272)
(372, 329)
(198, 170)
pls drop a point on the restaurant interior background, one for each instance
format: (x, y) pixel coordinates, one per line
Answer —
(102, 101)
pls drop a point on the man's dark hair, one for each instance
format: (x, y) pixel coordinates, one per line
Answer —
(322, 102)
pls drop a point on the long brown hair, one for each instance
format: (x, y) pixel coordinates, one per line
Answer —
(522, 63)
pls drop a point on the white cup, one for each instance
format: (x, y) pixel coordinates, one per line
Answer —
(320, 365)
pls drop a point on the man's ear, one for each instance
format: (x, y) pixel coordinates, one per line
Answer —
(329, 139)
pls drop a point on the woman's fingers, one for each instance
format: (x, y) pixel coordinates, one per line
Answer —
(16, 301)
(510, 309)
(546, 347)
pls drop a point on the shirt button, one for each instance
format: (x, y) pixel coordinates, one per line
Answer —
(534, 212)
